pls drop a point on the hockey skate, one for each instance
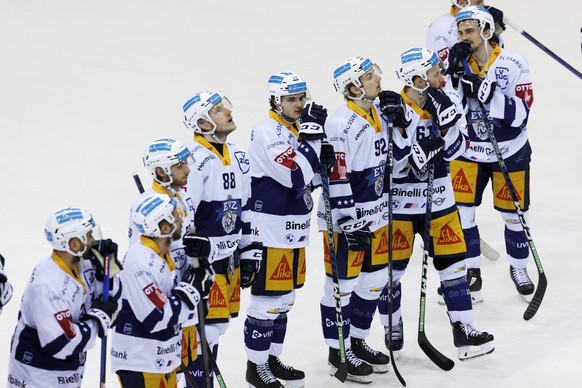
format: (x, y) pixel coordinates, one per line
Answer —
(471, 342)
(522, 282)
(475, 283)
(358, 370)
(397, 338)
(378, 360)
(293, 377)
(260, 376)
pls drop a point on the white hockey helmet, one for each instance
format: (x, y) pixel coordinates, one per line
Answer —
(165, 153)
(198, 107)
(69, 223)
(416, 61)
(481, 15)
(286, 83)
(350, 72)
(150, 211)
(456, 3)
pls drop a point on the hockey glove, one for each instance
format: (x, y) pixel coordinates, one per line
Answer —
(195, 285)
(327, 157)
(428, 151)
(250, 263)
(357, 235)
(312, 122)
(198, 247)
(102, 312)
(497, 18)
(474, 86)
(441, 108)
(392, 104)
(100, 249)
(457, 53)
(5, 287)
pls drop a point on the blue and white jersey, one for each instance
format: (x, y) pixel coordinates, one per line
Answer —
(409, 192)
(147, 335)
(217, 192)
(283, 175)
(508, 110)
(50, 340)
(358, 184)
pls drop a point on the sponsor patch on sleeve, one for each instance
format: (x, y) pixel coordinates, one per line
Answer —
(287, 159)
(525, 92)
(65, 320)
(155, 295)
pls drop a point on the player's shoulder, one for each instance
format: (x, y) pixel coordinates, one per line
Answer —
(512, 59)
(444, 21)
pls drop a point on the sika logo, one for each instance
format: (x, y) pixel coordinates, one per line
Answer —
(282, 271)
(359, 260)
(505, 195)
(216, 297)
(460, 183)
(383, 245)
(400, 242)
(448, 236)
(235, 297)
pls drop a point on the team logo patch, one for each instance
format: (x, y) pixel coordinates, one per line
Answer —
(228, 213)
(287, 159)
(525, 92)
(382, 245)
(448, 236)
(501, 74)
(216, 297)
(282, 271)
(460, 183)
(155, 296)
(65, 320)
(399, 241)
(340, 170)
(243, 161)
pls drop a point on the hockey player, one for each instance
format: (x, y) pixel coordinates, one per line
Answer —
(499, 93)
(359, 212)
(442, 33)
(5, 286)
(146, 344)
(284, 153)
(62, 310)
(218, 191)
(437, 131)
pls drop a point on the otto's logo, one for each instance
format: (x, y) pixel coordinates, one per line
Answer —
(287, 159)
(65, 320)
(443, 53)
(156, 296)
(525, 92)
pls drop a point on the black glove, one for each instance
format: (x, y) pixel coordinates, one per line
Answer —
(428, 151)
(441, 108)
(312, 122)
(392, 104)
(357, 235)
(102, 312)
(198, 247)
(250, 263)
(479, 88)
(100, 249)
(457, 53)
(497, 18)
(5, 287)
(327, 157)
(195, 285)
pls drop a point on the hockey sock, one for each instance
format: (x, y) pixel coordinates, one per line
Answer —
(517, 247)
(329, 325)
(362, 314)
(279, 331)
(383, 304)
(472, 241)
(258, 334)
(458, 299)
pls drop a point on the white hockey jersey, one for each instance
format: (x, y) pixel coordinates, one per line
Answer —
(508, 110)
(50, 340)
(147, 336)
(410, 192)
(358, 185)
(283, 175)
(217, 192)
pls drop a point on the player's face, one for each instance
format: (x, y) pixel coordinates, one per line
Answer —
(179, 221)
(469, 31)
(292, 106)
(221, 114)
(371, 83)
(180, 173)
(435, 77)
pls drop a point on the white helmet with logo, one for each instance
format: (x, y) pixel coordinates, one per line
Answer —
(198, 107)
(150, 211)
(416, 61)
(67, 224)
(481, 15)
(350, 72)
(286, 83)
(165, 153)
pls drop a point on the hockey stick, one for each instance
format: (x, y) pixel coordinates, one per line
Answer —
(341, 373)
(390, 248)
(536, 301)
(103, 371)
(520, 30)
(183, 367)
(435, 356)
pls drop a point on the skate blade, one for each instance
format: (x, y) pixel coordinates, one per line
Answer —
(293, 383)
(380, 368)
(470, 352)
(476, 297)
(357, 379)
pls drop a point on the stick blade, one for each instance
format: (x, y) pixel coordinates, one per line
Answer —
(536, 301)
(434, 355)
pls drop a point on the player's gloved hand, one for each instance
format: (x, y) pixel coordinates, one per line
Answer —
(99, 250)
(312, 122)
(459, 51)
(474, 86)
(197, 246)
(357, 235)
(327, 157)
(427, 151)
(441, 108)
(5, 287)
(392, 104)
(195, 285)
(102, 312)
(497, 18)
(250, 263)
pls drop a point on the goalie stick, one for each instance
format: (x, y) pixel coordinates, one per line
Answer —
(540, 291)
